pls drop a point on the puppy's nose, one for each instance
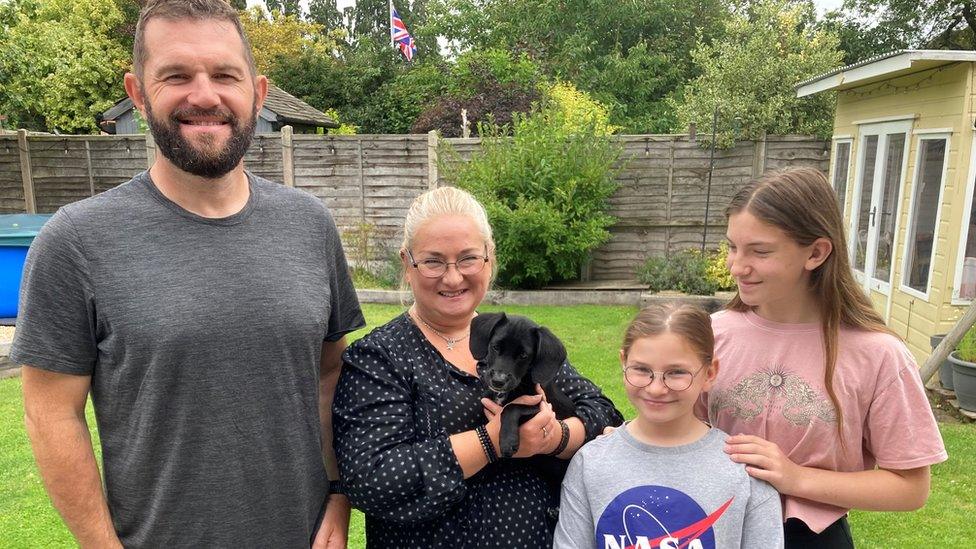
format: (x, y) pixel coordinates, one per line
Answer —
(499, 379)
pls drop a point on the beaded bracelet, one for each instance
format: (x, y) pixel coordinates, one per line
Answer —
(486, 444)
(563, 440)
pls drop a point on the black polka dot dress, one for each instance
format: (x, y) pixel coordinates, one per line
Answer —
(397, 402)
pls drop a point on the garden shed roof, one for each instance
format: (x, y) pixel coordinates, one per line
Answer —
(291, 109)
(882, 67)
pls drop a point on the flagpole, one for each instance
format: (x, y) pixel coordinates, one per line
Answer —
(390, 21)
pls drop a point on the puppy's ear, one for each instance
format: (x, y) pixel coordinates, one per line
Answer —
(549, 356)
(482, 327)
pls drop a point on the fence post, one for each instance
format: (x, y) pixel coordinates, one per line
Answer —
(759, 157)
(432, 139)
(150, 149)
(362, 184)
(288, 156)
(30, 201)
(465, 129)
(667, 229)
(91, 173)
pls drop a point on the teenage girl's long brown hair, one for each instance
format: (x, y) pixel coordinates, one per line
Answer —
(801, 203)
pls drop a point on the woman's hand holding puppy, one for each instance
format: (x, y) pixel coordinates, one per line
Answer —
(539, 435)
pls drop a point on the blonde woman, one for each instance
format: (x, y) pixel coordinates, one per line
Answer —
(415, 452)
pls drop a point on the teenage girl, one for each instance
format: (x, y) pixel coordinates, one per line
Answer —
(823, 401)
(663, 479)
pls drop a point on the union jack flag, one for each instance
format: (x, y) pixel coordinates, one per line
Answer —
(401, 38)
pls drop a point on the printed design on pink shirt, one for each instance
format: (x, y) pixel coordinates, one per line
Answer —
(775, 388)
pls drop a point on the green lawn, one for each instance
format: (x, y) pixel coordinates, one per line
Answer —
(592, 336)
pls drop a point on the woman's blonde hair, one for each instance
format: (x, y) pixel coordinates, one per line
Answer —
(801, 203)
(445, 201)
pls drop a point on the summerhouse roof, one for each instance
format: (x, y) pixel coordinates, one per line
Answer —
(882, 67)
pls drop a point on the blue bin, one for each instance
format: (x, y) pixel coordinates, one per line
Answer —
(17, 231)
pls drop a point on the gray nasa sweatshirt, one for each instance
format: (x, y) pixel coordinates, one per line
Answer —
(620, 493)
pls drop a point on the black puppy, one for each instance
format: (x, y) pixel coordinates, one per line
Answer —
(514, 354)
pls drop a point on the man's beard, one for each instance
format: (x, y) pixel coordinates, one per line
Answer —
(209, 161)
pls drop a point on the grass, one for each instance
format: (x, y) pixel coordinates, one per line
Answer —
(592, 336)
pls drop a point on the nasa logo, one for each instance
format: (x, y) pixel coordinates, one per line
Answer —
(656, 517)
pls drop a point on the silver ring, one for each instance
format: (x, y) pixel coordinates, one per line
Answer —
(545, 432)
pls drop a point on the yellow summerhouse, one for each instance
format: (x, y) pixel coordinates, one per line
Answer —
(903, 164)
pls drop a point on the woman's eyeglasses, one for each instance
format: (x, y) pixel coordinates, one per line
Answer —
(436, 268)
(676, 379)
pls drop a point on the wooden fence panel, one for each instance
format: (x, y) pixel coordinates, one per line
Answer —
(369, 181)
(791, 151)
(264, 158)
(11, 183)
(116, 159)
(60, 170)
(664, 189)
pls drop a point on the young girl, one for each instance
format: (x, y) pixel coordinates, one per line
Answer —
(824, 402)
(662, 480)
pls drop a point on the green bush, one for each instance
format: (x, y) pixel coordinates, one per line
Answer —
(684, 271)
(966, 349)
(717, 272)
(545, 186)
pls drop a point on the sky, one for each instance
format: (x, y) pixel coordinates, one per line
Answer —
(822, 5)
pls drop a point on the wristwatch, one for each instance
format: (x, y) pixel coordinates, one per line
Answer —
(335, 487)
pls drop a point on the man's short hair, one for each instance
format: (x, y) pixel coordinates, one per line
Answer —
(196, 10)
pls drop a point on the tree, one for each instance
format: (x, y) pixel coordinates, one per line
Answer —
(276, 36)
(629, 55)
(750, 75)
(940, 24)
(860, 41)
(287, 7)
(353, 82)
(405, 97)
(325, 13)
(59, 65)
(125, 32)
(491, 85)
(371, 19)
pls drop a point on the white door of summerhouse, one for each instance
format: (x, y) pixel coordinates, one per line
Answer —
(874, 213)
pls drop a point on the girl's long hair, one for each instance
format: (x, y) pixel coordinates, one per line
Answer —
(801, 203)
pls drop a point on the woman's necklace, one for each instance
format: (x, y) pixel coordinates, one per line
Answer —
(451, 341)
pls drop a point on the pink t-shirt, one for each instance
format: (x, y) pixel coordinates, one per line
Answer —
(770, 384)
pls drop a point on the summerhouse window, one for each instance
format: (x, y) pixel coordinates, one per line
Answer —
(930, 168)
(842, 164)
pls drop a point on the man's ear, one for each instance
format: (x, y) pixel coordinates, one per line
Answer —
(260, 92)
(482, 326)
(820, 250)
(549, 356)
(134, 89)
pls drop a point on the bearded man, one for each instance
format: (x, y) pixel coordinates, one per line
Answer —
(203, 308)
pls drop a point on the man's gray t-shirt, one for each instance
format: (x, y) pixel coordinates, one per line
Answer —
(620, 493)
(202, 338)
